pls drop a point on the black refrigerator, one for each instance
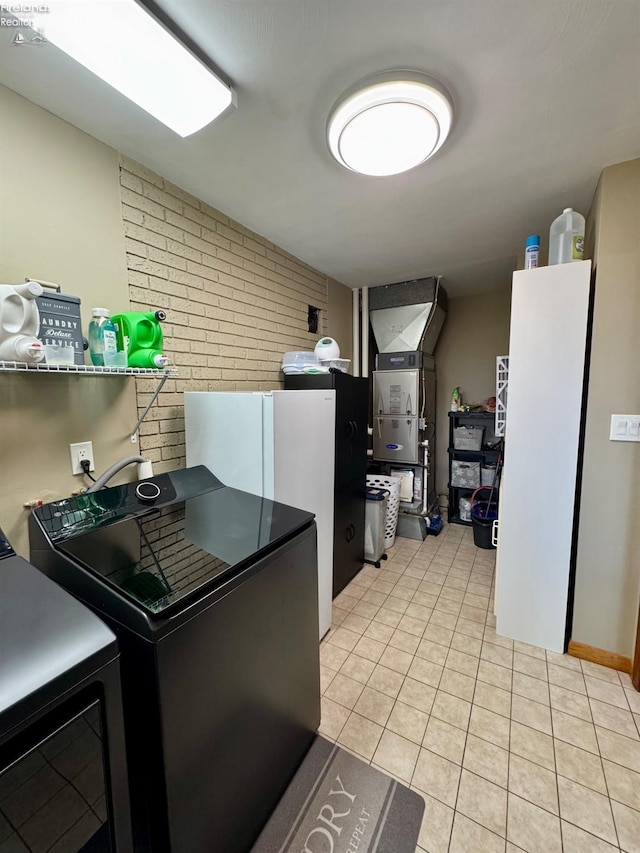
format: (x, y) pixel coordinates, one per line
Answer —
(352, 405)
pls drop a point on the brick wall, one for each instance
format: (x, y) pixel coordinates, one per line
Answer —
(235, 302)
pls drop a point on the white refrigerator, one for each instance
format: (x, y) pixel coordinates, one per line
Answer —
(276, 444)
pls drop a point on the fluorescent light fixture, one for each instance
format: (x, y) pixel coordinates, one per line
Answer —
(390, 124)
(130, 50)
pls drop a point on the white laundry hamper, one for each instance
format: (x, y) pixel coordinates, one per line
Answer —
(392, 484)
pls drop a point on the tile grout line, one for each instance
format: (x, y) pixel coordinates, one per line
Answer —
(464, 747)
(506, 826)
(606, 785)
(555, 765)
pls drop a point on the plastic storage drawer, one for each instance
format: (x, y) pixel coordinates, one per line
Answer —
(465, 475)
(468, 438)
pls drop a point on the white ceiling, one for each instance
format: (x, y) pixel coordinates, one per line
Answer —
(545, 94)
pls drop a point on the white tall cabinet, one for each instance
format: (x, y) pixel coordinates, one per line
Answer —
(547, 347)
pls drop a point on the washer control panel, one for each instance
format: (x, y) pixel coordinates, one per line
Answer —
(147, 491)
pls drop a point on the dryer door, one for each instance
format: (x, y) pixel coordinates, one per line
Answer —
(52, 786)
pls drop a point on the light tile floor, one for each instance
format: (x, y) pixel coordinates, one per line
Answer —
(511, 747)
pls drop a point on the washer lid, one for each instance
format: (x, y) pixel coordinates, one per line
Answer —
(157, 553)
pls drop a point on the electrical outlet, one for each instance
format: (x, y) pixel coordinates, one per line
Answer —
(79, 451)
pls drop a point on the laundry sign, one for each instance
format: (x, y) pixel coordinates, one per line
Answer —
(60, 322)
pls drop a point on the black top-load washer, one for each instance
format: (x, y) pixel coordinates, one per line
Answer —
(213, 595)
(63, 774)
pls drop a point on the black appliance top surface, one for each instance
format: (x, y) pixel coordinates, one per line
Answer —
(5, 546)
(157, 551)
(471, 414)
(320, 380)
(44, 632)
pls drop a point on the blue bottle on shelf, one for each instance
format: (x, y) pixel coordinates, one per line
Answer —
(531, 251)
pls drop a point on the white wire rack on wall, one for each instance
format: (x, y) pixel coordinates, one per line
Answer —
(91, 370)
(502, 387)
(41, 367)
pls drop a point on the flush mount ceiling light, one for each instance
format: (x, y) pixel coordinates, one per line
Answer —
(125, 46)
(390, 124)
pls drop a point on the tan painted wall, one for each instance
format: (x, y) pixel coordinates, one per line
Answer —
(339, 316)
(608, 563)
(60, 220)
(475, 332)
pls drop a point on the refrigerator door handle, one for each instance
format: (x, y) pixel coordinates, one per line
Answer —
(409, 406)
(380, 405)
(379, 420)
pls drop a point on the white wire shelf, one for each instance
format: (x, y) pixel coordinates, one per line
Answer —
(91, 370)
(84, 369)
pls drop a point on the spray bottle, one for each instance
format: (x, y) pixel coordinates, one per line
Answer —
(102, 336)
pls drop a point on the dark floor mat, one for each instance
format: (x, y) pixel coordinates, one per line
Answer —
(337, 803)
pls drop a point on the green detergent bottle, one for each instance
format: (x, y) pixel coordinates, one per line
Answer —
(140, 336)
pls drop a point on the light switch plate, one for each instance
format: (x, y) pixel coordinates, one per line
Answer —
(625, 428)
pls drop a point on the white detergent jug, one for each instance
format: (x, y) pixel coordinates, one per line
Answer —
(566, 237)
(20, 322)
